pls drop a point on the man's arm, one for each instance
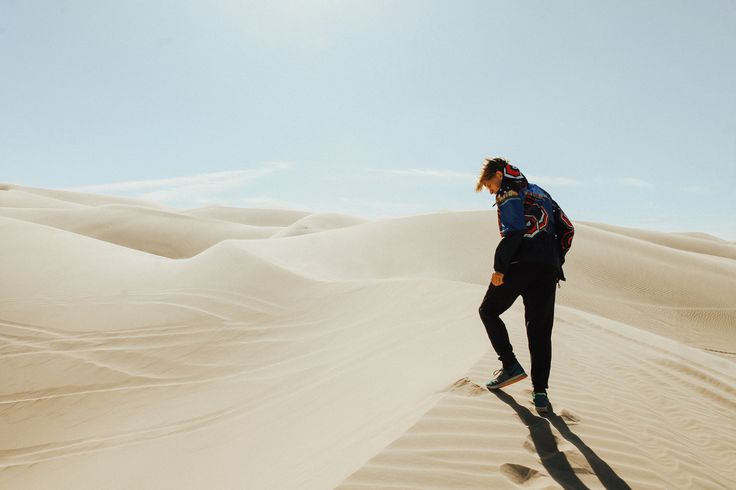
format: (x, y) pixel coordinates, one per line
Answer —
(512, 224)
(505, 251)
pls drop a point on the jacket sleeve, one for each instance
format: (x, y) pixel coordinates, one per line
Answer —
(512, 225)
(505, 251)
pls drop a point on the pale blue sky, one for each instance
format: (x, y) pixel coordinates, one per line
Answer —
(624, 110)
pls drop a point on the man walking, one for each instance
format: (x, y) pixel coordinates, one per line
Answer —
(536, 235)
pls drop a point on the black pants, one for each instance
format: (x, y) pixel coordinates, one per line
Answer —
(536, 284)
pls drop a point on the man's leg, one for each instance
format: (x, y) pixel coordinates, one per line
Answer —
(497, 300)
(539, 312)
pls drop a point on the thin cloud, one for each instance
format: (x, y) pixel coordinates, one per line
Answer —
(634, 182)
(419, 172)
(553, 181)
(696, 189)
(423, 172)
(190, 187)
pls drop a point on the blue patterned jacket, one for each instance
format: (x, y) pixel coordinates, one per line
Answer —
(533, 227)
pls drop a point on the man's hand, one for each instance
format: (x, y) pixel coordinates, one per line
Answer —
(497, 279)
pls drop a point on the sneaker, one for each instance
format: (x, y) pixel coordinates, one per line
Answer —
(541, 402)
(505, 377)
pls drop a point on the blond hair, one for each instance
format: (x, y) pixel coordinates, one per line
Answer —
(488, 170)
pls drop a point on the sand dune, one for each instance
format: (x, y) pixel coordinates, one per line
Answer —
(157, 232)
(690, 242)
(172, 234)
(149, 347)
(33, 197)
(267, 218)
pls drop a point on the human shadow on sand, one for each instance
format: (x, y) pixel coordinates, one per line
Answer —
(554, 461)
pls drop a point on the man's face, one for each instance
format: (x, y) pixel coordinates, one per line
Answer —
(494, 183)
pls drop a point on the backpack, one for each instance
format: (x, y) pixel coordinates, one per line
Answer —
(564, 232)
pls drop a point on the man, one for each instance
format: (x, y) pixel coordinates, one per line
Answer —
(536, 235)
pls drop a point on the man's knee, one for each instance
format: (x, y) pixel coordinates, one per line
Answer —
(487, 310)
(491, 309)
(497, 301)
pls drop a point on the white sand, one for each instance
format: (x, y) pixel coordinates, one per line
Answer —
(149, 347)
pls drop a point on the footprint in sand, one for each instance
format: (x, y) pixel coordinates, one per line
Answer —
(521, 475)
(466, 387)
(569, 417)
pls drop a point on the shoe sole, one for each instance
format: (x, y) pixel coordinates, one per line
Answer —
(509, 381)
